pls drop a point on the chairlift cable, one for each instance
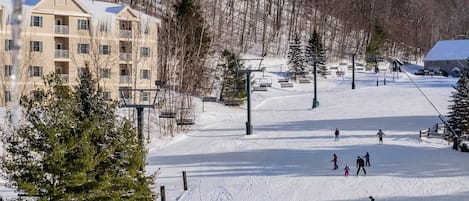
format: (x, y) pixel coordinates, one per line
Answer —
(424, 95)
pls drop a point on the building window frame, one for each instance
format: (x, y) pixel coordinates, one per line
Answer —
(8, 45)
(83, 48)
(7, 96)
(83, 24)
(104, 72)
(145, 96)
(8, 70)
(36, 21)
(145, 51)
(35, 46)
(145, 74)
(35, 71)
(105, 49)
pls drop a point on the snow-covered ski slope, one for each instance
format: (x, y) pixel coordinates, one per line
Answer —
(288, 156)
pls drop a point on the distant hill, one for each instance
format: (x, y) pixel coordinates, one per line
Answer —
(265, 26)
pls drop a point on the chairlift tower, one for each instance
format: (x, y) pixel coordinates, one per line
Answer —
(315, 62)
(139, 105)
(248, 89)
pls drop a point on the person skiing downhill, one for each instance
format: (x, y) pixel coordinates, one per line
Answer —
(346, 170)
(334, 159)
(380, 136)
(360, 165)
(336, 133)
(367, 159)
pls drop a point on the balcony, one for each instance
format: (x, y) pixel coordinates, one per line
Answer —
(125, 79)
(63, 77)
(61, 54)
(125, 33)
(61, 29)
(125, 56)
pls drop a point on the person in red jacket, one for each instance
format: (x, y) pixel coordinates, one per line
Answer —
(334, 159)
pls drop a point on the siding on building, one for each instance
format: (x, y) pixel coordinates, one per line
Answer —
(61, 39)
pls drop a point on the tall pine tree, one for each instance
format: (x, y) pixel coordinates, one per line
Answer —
(296, 57)
(234, 82)
(315, 52)
(73, 147)
(458, 110)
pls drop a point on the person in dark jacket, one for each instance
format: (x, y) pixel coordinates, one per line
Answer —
(334, 159)
(367, 159)
(336, 133)
(380, 136)
(360, 165)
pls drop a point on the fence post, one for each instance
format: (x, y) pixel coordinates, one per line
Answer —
(163, 196)
(184, 179)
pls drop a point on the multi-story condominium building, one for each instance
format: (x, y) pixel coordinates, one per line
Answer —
(117, 43)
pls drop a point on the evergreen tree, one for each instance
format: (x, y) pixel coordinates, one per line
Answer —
(234, 82)
(296, 57)
(73, 147)
(377, 43)
(458, 114)
(315, 52)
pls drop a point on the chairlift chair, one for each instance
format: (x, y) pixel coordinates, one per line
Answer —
(185, 116)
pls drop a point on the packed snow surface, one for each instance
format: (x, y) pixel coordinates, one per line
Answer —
(288, 156)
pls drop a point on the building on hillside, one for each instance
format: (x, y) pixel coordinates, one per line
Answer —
(451, 56)
(117, 43)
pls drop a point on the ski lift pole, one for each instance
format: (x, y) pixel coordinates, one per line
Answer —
(248, 89)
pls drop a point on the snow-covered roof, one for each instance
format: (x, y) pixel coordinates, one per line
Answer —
(449, 50)
(99, 7)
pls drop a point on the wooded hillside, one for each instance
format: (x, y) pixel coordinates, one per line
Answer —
(265, 26)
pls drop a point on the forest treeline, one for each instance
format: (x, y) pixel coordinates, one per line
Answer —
(266, 26)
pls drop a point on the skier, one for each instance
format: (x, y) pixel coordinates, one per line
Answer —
(360, 165)
(336, 133)
(380, 135)
(367, 159)
(334, 159)
(346, 170)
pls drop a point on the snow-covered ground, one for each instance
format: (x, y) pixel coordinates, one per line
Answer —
(288, 156)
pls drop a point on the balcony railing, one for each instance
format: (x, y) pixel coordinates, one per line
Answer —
(61, 29)
(63, 77)
(125, 33)
(125, 56)
(61, 53)
(125, 79)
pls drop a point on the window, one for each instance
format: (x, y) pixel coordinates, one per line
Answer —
(81, 71)
(145, 96)
(7, 96)
(36, 95)
(35, 71)
(106, 95)
(105, 73)
(146, 30)
(145, 51)
(83, 24)
(35, 46)
(83, 48)
(144, 74)
(103, 27)
(105, 49)
(36, 21)
(8, 70)
(8, 45)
